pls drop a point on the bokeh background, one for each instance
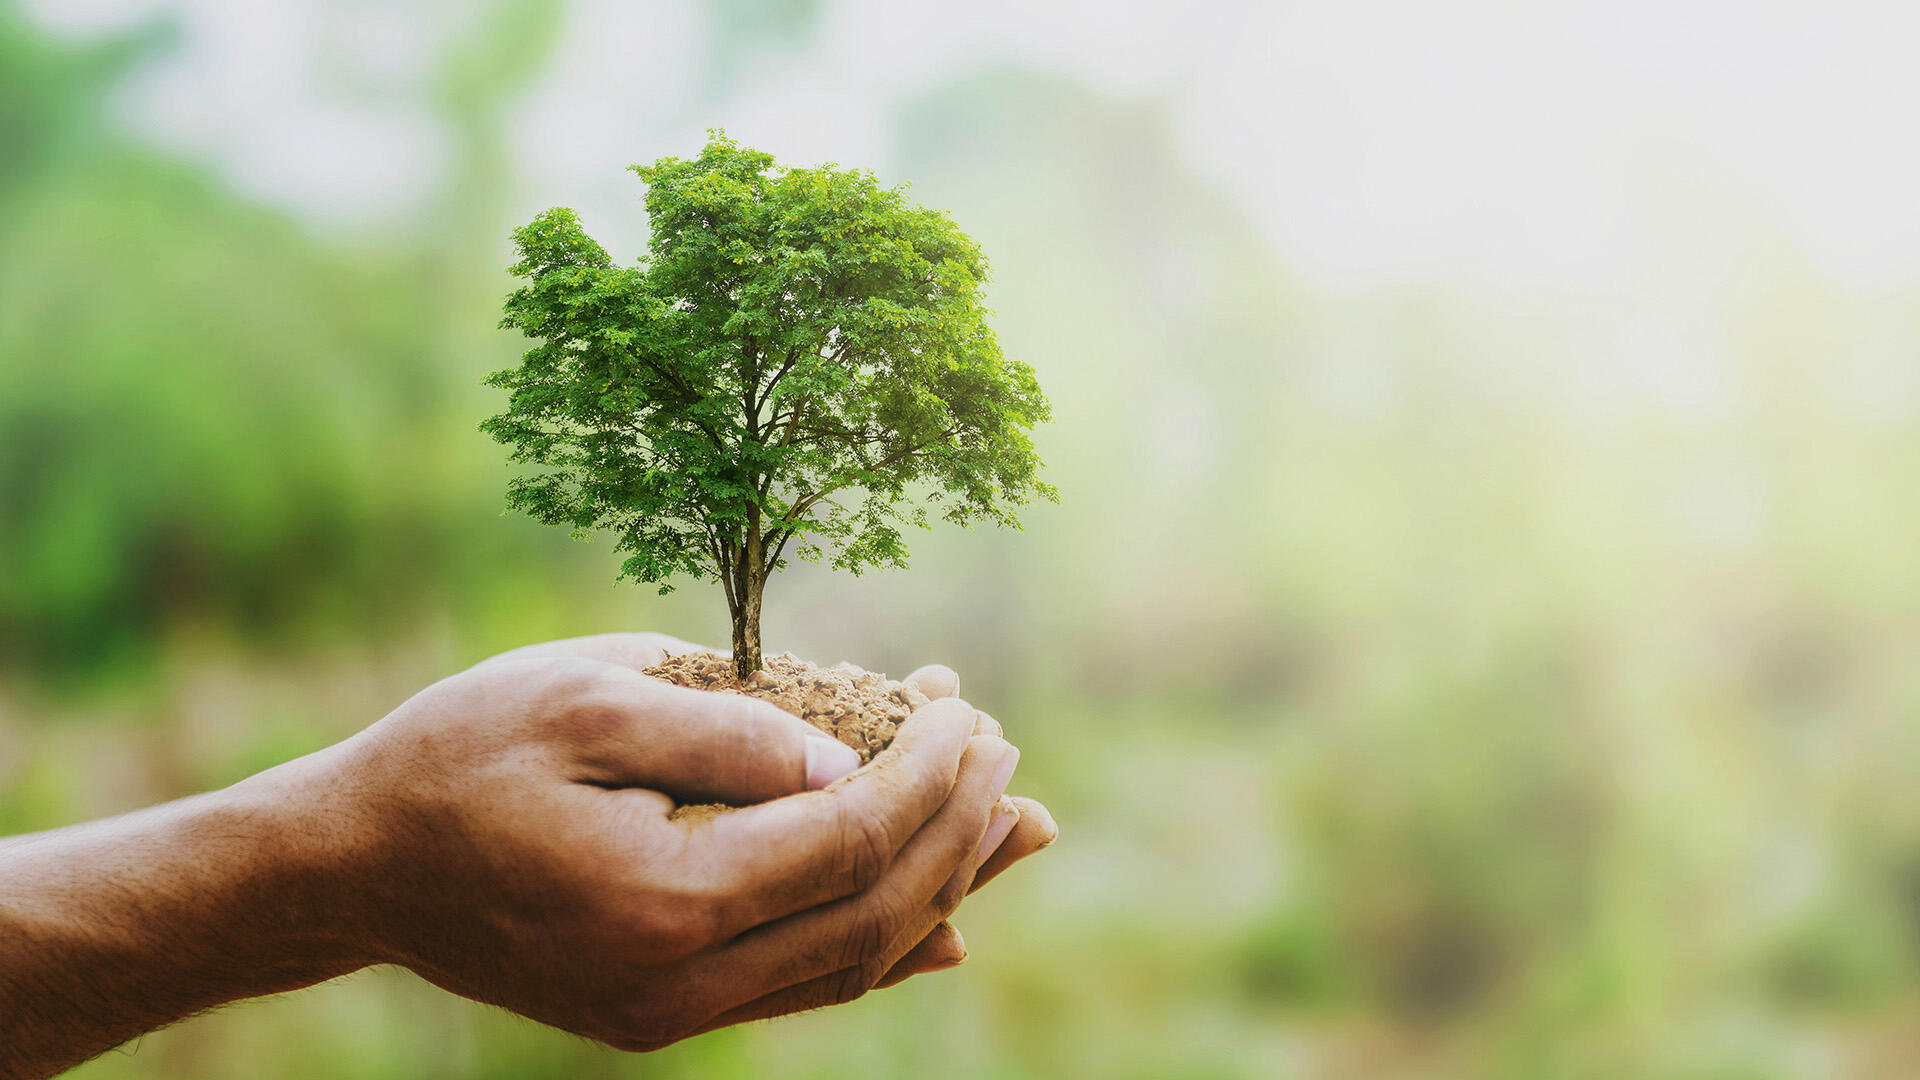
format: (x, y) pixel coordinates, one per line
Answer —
(1480, 636)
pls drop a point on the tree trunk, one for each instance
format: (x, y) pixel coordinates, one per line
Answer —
(746, 628)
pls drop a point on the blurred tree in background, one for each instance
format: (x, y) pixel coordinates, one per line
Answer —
(207, 415)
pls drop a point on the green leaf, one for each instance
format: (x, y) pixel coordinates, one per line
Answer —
(798, 349)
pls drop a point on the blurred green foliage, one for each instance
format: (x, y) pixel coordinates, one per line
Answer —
(202, 407)
(1403, 717)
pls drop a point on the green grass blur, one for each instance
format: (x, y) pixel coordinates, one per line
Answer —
(1404, 715)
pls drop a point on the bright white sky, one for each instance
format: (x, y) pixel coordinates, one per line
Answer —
(1622, 154)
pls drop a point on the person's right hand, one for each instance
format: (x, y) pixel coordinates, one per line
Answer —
(1020, 828)
(505, 834)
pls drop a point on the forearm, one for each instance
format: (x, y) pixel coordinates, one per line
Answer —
(117, 927)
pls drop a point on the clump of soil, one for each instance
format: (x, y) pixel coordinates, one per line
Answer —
(861, 708)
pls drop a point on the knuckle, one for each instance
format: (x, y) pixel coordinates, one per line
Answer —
(929, 788)
(683, 926)
(848, 984)
(952, 714)
(575, 690)
(759, 736)
(700, 923)
(591, 719)
(741, 714)
(947, 900)
(876, 921)
(922, 786)
(866, 847)
(566, 678)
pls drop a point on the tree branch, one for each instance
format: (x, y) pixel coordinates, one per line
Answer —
(690, 395)
(791, 518)
(814, 434)
(774, 559)
(793, 357)
(719, 553)
(792, 418)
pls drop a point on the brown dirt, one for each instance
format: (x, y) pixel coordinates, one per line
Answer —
(861, 708)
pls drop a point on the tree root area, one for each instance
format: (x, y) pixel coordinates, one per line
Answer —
(861, 708)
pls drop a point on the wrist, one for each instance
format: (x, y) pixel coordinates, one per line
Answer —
(312, 853)
(116, 927)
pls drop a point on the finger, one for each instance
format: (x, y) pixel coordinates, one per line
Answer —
(987, 725)
(846, 984)
(1034, 830)
(813, 958)
(922, 946)
(1005, 815)
(936, 681)
(803, 852)
(959, 884)
(942, 949)
(632, 650)
(696, 745)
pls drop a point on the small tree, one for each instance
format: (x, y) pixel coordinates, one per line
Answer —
(799, 347)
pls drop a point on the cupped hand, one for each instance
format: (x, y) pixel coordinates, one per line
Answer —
(1020, 826)
(512, 843)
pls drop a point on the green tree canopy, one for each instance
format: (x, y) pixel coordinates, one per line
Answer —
(797, 350)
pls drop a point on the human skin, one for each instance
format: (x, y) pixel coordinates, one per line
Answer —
(505, 834)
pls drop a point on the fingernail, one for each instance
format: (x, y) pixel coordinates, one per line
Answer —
(1049, 828)
(997, 830)
(1004, 774)
(828, 760)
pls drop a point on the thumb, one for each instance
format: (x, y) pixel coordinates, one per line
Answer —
(705, 746)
